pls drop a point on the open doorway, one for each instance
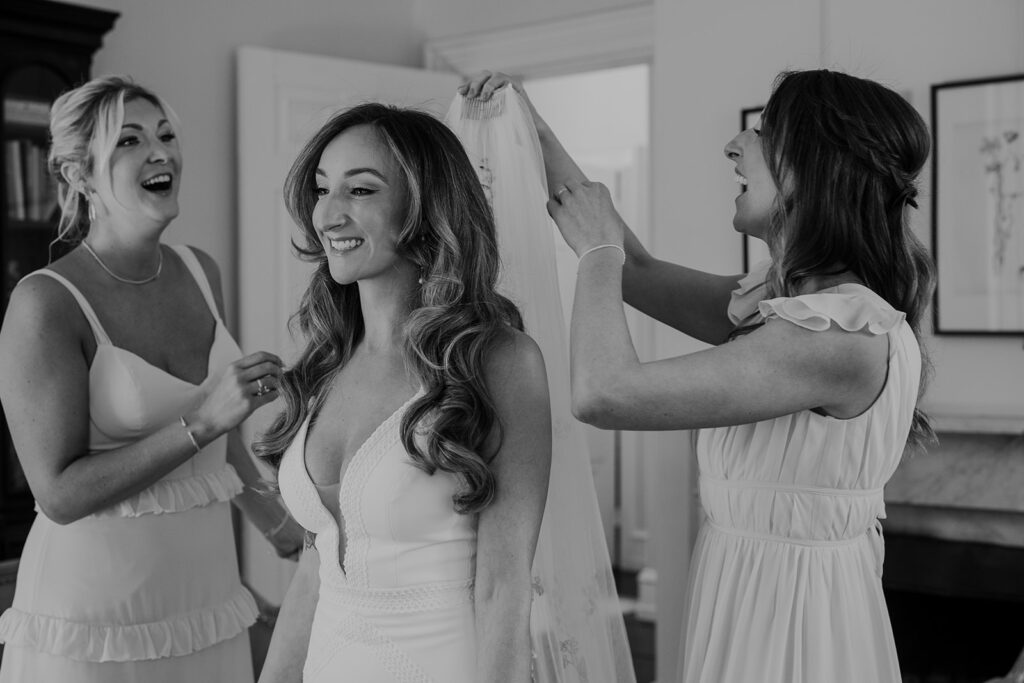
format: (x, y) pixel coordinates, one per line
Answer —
(603, 120)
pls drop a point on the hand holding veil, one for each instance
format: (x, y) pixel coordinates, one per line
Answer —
(576, 623)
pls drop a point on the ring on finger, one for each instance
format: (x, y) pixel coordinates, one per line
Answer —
(560, 191)
(261, 388)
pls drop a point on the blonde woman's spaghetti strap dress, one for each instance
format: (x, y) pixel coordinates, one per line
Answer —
(147, 590)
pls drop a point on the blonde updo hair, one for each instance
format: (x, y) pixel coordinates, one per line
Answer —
(85, 124)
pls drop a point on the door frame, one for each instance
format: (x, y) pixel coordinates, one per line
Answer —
(591, 42)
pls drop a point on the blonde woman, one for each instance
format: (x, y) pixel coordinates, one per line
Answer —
(123, 389)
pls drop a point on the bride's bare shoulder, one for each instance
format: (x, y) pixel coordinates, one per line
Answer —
(515, 359)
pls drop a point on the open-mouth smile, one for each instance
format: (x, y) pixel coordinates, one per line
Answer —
(158, 183)
(343, 246)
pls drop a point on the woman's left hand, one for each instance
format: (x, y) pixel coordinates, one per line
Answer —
(586, 216)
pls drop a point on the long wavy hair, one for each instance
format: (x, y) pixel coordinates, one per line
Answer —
(457, 316)
(85, 123)
(848, 151)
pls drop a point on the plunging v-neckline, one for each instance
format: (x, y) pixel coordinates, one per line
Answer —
(369, 445)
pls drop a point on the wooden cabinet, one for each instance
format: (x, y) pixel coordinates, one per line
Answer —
(45, 48)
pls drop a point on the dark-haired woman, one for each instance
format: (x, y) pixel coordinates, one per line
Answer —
(808, 398)
(416, 442)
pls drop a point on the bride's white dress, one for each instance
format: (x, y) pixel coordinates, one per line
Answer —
(395, 601)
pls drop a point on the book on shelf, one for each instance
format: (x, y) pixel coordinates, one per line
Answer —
(31, 192)
(27, 112)
(15, 180)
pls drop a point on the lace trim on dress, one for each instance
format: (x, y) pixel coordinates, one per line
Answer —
(174, 637)
(419, 598)
(750, 291)
(853, 311)
(178, 495)
(352, 628)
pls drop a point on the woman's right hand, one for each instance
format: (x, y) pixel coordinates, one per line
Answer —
(482, 86)
(247, 384)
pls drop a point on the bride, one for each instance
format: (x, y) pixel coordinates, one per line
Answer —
(416, 444)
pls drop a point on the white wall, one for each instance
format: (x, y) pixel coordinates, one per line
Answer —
(184, 50)
(445, 18)
(596, 111)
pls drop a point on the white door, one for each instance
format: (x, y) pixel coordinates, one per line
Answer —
(283, 98)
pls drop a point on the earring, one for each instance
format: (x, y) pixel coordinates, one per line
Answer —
(92, 212)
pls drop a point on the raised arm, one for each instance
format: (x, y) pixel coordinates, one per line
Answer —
(44, 388)
(508, 528)
(656, 288)
(778, 369)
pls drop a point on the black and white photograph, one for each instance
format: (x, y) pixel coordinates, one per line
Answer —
(475, 341)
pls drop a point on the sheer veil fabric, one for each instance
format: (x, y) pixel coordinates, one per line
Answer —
(576, 624)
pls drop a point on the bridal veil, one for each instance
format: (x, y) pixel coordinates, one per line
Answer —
(577, 627)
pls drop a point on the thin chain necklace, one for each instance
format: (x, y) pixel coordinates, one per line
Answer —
(127, 281)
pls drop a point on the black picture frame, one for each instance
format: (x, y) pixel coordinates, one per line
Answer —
(977, 206)
(754, 250)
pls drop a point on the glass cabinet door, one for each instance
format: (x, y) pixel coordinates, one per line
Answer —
(30, 193)
(28, 220)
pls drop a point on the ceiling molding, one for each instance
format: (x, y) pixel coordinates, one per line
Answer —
(583, 43)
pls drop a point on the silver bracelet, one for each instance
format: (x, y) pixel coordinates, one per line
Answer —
(605, 246)
(191, 436)
(273, 532)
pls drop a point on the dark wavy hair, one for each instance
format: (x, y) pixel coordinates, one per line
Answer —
(457, 317)
(848, 151)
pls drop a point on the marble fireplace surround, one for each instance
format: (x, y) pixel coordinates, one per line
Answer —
(967, 487)
(954, 551)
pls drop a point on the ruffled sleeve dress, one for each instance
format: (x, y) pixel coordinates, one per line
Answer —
(785, 583)
(147, 590)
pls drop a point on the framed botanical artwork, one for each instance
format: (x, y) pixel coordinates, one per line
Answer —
(754, 250)
(978, 206)
(749, 117)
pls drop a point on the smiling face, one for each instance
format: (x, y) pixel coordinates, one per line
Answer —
(758, 193)
(361, 205)
(144, 170)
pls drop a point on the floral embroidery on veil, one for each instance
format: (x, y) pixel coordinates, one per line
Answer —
(486, 176)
